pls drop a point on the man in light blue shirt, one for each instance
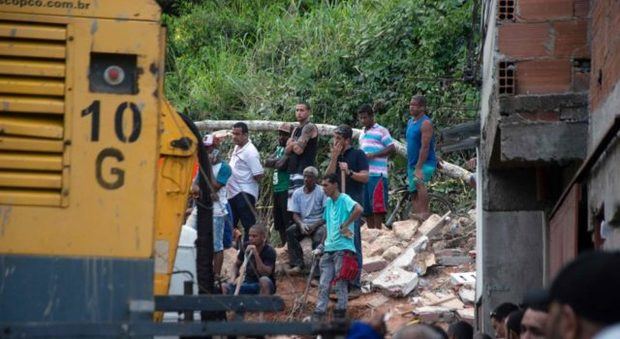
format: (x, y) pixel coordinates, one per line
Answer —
(340, 213)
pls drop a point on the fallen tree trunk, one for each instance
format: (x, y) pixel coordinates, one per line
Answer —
(450, 170)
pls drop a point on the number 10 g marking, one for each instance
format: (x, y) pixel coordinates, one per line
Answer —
(94, 109)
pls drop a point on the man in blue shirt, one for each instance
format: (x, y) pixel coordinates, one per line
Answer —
(421, 158)
(340, 213)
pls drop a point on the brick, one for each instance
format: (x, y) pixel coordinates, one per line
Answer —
(543, 76)
(405, 229)
(535, 10)
(524, 40)
(571, 39)
(581, 8)
(374, 264)
(463, 278)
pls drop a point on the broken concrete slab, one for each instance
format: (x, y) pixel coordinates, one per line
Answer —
(463, 278)
(431, 314)
(370, 234)
(405, 229)
(466, 314)
(396, 282)
(467, 295)
(391, 253)
(453, 261)
(433, 224)
(420, 244)
(374, 264)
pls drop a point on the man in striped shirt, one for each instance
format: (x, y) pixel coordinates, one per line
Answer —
(376, 142)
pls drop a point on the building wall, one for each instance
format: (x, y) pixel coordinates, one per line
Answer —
(604, 179)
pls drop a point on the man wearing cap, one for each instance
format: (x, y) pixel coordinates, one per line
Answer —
(307, 205)
(247, 171)
(351, 163)
(301, 146)
(584, 298)
(279, 161)
(221, 174)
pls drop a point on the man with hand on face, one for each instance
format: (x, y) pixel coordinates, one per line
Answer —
(279, 161)
(259, 273)
(347, 160)
(242, 186)
(301, 146)
(307, 205)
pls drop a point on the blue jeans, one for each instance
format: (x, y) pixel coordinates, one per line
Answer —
(331, 264)
(252, 288)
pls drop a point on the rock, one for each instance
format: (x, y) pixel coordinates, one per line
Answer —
(463, 221)
(467, 295)
(374, 264)
(391, 253)
(383, 243)
(377, 300)
(449, 252)
(370, 234)
(466, 314)
(396, 282)
(439, 245)
(423, 261)
(306, 247)
(463, 278)
(405, 229)
(433, 224)
(453, 261)
(406, 260)
(431, 314)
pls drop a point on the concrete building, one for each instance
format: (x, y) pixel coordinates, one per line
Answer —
(549, 154)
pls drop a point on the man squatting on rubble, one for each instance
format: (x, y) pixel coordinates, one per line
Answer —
(259, 274)
(307, 205)
(340, 214)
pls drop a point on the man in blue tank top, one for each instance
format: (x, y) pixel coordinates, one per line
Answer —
(421, 158)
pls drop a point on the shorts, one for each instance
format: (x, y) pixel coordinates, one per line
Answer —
(427, 174)
(218, 233)
(252, 288)
(376, 196)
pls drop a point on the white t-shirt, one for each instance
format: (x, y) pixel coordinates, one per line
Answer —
(245, 164)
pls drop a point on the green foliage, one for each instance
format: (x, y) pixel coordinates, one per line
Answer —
(239, 59)
(256, 59)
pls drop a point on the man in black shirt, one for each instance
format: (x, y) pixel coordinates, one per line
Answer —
(301, 146)
(354, 164)
(259, 273)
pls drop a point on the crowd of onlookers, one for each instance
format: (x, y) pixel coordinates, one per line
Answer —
(327, 207)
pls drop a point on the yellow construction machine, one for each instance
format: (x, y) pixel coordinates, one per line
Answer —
(95, 168)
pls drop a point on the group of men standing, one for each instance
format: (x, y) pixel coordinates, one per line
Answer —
(327, 209)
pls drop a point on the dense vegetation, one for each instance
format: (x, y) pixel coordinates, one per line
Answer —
(240, 59)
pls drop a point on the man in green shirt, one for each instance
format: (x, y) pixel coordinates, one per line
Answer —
(279, 161)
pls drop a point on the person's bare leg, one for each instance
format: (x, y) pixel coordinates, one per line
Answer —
(218, 261)
(420, 201)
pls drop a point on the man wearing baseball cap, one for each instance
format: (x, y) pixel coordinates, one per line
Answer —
(584, 298)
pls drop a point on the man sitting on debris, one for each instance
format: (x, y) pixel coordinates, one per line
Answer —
(259, 273)
(338, 263)
(307, 205)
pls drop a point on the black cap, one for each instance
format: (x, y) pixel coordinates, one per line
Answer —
(591, 286)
